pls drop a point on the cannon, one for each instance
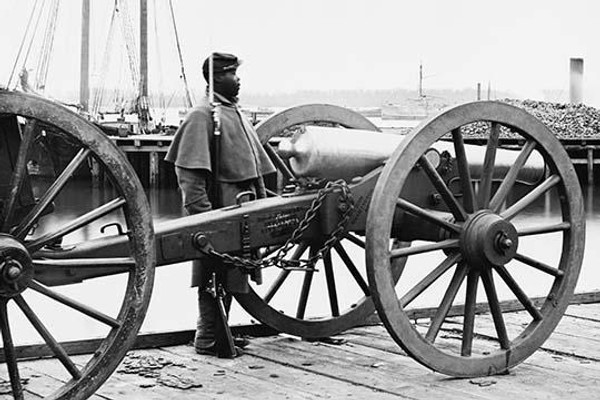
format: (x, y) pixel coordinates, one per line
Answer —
(430, 219)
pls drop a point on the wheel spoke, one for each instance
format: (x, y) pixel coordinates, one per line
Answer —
(539, 265)
(357, 241)
(427, 215)
(50, 341)
(305, 291)
(530, 197)
(438, 182)
(284, 273)
(77, 223)
(19, 174)
(276, 285)
(511, 177)
(485, 188)
(352, 268)
(434, 275)
(539, 230)
(23, 228)
(469, 201)
(519, 293)
(490, 290)
(279, 164)
(426, 248)
(444, 308)
(9, 353)
(469, 314)
(331, 289)
(90, 312)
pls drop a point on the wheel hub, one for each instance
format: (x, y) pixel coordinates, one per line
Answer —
(16, 269)
(488, 239)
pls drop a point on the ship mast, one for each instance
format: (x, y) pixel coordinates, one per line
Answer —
(84, 80)
(143, 107)
(420, 80)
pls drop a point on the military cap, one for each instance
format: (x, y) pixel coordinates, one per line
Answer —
(222, 62)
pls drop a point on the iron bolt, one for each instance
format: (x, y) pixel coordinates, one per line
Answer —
(504, 242)
(202, 243)
(201, 240)
(11, 269)
(13, 272)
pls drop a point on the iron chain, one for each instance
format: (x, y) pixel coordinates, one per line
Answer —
(278, 260)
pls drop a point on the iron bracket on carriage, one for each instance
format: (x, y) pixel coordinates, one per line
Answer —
(418, 218)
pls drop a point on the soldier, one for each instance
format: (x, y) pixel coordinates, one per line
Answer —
(242, 164)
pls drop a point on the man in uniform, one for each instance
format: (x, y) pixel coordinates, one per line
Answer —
(242, 163)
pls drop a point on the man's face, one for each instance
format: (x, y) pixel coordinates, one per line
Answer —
(227, 84)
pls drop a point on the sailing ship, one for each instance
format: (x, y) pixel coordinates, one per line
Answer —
(120, 107)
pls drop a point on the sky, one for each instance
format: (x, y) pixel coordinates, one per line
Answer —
(522, 47)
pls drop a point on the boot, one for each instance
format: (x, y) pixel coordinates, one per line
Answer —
(206, 326)
(208, 340)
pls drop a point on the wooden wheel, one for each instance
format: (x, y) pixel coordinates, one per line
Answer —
(491, 241)
(305, 303)
(48, 150)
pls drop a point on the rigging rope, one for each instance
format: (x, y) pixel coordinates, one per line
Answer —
(188, 97)
(101, 87)
(130, 44)
(161, 95)
(46, 49)
(43, 40)
(12, 72)
(42, 63)
(28, 52)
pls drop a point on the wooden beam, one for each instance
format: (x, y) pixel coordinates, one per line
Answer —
(153, 166)
(590, 165)
(143, 341)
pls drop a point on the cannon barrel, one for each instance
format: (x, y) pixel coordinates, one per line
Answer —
(334, 153)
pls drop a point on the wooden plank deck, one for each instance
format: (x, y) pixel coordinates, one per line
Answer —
(363, 363)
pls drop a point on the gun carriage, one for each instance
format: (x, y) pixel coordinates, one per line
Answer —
(431, 216)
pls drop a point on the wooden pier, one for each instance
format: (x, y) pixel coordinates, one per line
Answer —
(363, 363)
(584, 152)
(153, 146)
(146, 154)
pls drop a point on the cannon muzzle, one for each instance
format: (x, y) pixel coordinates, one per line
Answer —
(334, 153)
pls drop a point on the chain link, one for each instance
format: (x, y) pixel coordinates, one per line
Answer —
(347, 203)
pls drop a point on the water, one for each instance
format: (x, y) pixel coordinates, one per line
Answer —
(173, 303)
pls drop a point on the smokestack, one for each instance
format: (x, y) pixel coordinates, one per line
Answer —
(576, 81)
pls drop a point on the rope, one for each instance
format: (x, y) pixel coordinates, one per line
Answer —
(46, 49)
(188, 97)
(161, 99)
(33, 35)
(130, 44)
(12, 72)
(101, 88)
